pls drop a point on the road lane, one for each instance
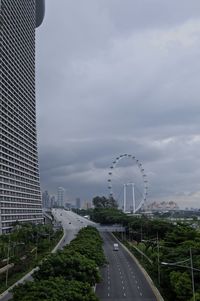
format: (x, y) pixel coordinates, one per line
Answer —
(122, 278)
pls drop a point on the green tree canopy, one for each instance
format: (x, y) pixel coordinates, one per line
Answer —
(69, 264)
(181, 285)
(54, 289)
(88, 243)
(103, 202)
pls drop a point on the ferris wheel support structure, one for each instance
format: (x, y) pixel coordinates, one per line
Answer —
(133, 197)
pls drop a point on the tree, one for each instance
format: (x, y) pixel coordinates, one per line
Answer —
(88, 243)
(109, 216)
(181, 285)
(54, 289)
(69, 264)
(103, 202)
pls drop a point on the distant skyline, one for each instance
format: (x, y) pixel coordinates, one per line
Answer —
(118, 77)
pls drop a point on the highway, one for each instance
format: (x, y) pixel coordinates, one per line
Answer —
(122, 279)
(71, 223)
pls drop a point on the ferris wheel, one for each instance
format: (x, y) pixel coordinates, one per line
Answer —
(127, 183)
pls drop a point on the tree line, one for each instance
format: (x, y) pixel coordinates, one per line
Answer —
(168, 249)
(23, 248)
(69, 274)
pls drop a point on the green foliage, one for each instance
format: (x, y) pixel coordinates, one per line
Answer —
(21, 244)
(69, 273)
(88, 243)
(148, 228)
(54, 289)
(109, 216)
(103, 202)
(182, 233)
(181, 285)
(197, 297)
(71, 265)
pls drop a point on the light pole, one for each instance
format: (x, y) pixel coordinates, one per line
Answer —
(158, 252)
(8, 258)
(192, 274)
(179, 264)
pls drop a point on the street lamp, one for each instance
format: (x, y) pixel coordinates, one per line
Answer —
(8, 257)
(179, 264)
(156, 240)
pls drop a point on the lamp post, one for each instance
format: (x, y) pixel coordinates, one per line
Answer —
(158, 259)
(158, 254)
(192, 274)
(8, 257)
(179, 264)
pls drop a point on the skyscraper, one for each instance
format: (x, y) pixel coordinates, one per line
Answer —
(46, 203)
(20, 197)
(60, 197)
(78, 203)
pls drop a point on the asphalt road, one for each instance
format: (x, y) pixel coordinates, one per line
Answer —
(122, 279)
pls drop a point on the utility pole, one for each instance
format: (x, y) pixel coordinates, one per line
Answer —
(192, 275)
(8, 259)
(158, 252)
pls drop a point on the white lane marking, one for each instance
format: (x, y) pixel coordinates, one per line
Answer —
(108, 287)
(140, 294)
(124, 294)
(108, 294)
(123, 288)
(138, 287)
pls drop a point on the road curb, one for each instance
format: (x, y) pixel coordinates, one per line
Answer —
(146, 275)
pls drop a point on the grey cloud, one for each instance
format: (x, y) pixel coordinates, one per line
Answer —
(115, 78)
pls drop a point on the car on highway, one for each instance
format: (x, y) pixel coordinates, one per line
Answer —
(115, 247)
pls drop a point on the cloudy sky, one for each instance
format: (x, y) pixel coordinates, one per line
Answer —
(114, 77)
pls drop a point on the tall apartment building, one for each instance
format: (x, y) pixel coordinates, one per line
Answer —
(61, 197)
(20, 197)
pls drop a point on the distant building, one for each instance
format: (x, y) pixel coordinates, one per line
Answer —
(60, 196)
(68, 206)
(161, 206)
(52, 201)
(46, 203)
(87, 205)
(78, 203)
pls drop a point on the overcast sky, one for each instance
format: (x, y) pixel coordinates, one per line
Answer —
(114, 77)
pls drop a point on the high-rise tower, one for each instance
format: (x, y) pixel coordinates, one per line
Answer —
(20, 197)
(61, 196)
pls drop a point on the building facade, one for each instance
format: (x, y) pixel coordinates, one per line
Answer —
(46, 200)
(20, 197)
(61, 197)
(78, 203)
